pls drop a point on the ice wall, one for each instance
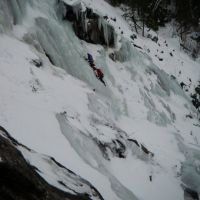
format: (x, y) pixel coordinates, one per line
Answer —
(55, 38)
(90, 153)
(190, 170)
(50, 35)
(155, 86)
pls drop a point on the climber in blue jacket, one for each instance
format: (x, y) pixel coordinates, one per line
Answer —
(90, 60)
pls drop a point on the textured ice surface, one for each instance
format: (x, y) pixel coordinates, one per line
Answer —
(92, 156)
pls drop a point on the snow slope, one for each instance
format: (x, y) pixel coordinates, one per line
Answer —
(54, 109)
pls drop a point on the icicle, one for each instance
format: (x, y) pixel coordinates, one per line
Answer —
(83, 21)
(104, 25)
(125, 53)
(11, 12)
(5, 18)
(106, 32)
(115, 39)
(18, 10)
(99, 23)
(76, 11)
(61, 10)
(86, 24)
(83, 7)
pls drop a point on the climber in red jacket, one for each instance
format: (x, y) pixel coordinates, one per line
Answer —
(99, 74)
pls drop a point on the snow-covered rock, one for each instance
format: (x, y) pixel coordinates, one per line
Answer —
(22, 178)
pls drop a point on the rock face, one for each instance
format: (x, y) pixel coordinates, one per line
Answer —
(20, 181)
(119, 146)
(89, 26)
(190, 194)
(196, 98)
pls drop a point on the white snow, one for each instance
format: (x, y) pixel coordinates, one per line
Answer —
(56, 112)
(30, 117)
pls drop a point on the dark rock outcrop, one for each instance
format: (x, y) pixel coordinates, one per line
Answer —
(38, 63)
(89, 26)
(190, 194)
(117, 148)
(133, 36)
(120, 146)
(112, 56)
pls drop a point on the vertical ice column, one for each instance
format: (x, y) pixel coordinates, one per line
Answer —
(106, 30)
(18, 10)
(5, 16)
